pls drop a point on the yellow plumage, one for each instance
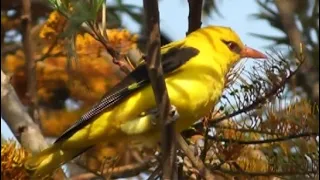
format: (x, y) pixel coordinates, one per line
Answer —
(193, 88)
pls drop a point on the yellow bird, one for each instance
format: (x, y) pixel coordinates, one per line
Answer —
(195, 70)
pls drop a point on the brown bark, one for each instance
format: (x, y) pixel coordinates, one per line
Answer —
(195, 12)
(203, 171)
(307, 77)
(30, 61)
(168, 149)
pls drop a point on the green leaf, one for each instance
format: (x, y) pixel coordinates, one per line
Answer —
(129, 10)
(96, 5)
(83, 11)
(267, 8)
(210, 6)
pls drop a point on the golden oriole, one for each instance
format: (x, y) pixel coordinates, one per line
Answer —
(195, 70)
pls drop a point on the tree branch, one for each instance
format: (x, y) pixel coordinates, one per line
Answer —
(203, 171)
(117, 58)
(308, 78)
(115, 172)
(48, 53)
(30, 62)
(286, 12)
(284, 138)
(271, 133)
(195, 12)
(155, 173)
(269, 173)
(10, 49)
(156, 76)
(205, 146)
(129, 170)
(18, 120)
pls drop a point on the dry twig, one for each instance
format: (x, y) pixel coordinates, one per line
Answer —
(203, 171)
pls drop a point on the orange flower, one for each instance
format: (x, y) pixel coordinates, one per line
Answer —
(12, 161)
(53, 26)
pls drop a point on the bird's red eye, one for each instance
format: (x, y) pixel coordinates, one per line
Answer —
(233, 46)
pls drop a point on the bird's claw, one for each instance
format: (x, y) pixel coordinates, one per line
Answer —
(173, 115)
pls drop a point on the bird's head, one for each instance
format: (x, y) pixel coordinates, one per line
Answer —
(227, 43)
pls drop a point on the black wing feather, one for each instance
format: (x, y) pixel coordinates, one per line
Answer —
(171, 60)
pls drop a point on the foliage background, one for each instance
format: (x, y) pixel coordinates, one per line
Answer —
(85, 85)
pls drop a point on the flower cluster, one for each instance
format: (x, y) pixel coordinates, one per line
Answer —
(12, 161)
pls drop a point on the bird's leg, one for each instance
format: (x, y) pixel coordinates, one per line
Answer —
(173, 114)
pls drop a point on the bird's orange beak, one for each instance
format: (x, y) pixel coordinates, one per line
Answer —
(248, 52)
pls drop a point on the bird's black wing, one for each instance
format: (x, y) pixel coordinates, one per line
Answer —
(134, 81)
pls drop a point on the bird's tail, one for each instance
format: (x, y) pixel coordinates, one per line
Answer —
(50, 159)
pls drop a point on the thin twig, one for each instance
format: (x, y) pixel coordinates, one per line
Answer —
(117, 58)
(104, 19)
(203, 154)
(48, 53)
(203, 171)
(115, 54)
(258, 102)
(248, 130)
(269, 173)
(83, 176)
(285, 138)
(159, 87)
(10, 49)
(130, 169)
(195, 12)
(96, 174)
(205, 146)
(155, 173)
